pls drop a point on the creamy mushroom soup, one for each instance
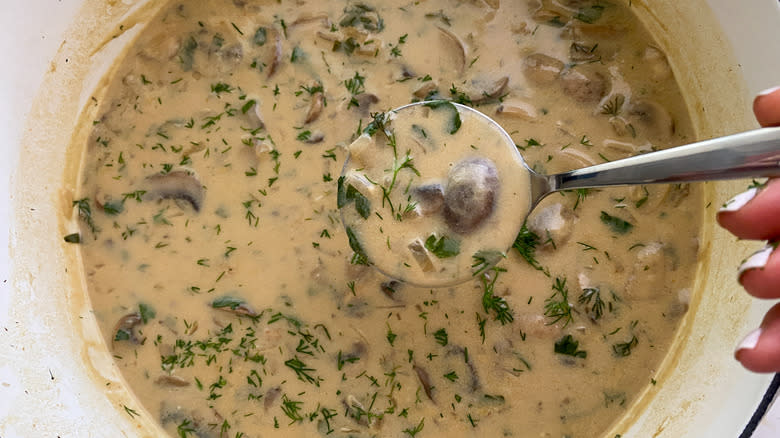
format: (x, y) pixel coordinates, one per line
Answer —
(225, 283)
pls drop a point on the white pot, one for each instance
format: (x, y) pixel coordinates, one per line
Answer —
(56, 375)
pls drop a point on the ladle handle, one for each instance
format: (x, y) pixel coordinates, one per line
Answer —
(748, 154)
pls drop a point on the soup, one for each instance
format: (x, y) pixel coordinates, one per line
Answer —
(223, 278)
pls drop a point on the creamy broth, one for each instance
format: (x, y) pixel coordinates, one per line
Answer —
(432, 194)
(224, 282)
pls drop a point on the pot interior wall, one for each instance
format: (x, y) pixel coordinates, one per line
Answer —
(701, 390)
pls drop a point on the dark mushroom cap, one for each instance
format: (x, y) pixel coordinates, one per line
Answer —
(470, 196)
(178, 184)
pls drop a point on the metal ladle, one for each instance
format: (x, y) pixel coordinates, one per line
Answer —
(748, 154)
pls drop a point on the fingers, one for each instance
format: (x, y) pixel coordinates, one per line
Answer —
(760, 274)
(754, 214)
(766, 106)
(760, 350)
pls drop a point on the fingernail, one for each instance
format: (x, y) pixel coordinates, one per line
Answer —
(768, 91)
(750, 341)
(756, 261)
(739, 201)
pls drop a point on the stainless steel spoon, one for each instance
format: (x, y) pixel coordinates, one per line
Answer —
(748, 154)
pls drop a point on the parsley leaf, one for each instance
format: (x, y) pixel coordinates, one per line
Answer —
(443, 248)
(568, 346)
(615, 223)
(455, 122)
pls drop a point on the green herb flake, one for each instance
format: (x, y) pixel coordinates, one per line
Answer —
(147, 312)
(590, 14)
(412, 432)
(455, 122)
(297, 55)
(441, 337)
(122, 335)
(113, 208)
(623, 349)
(354, 243)
(347, 194)
(568, 346)
(260, 37)
(444, 247)
(451, 376)
(248, 106)
(616, 224)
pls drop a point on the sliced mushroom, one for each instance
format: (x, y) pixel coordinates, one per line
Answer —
(308, 18)
(622, 149)
(542, 69)
(571, 158)
(584, 84)
(456, 46)
(429, 199)
(315, 107)
(177, 185)
(389, 288)
(425, 381)
(553, 224)
(171, 381)
(580, 31)
(517, 109)
(407, 73)
(276, 54)
(579, 52)
(421, 255)
(622, 127)
(363, 151)
(460, 352)
(172, 415)
(424, 90)
(489, 91)
(358, 350)
(547, 16)
(242, 309)
(254, 117)
(270, 397)
(369, 48)
(365, 100)
(652, 119)
(329, 36)
(125, 328)
(677, 193)
(315, 137)
(469, 199)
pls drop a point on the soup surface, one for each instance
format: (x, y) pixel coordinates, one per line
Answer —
(225, 283)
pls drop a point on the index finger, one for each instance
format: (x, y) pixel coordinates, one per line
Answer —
(766, 107)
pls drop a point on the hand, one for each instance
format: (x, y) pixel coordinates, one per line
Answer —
(755, 215)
